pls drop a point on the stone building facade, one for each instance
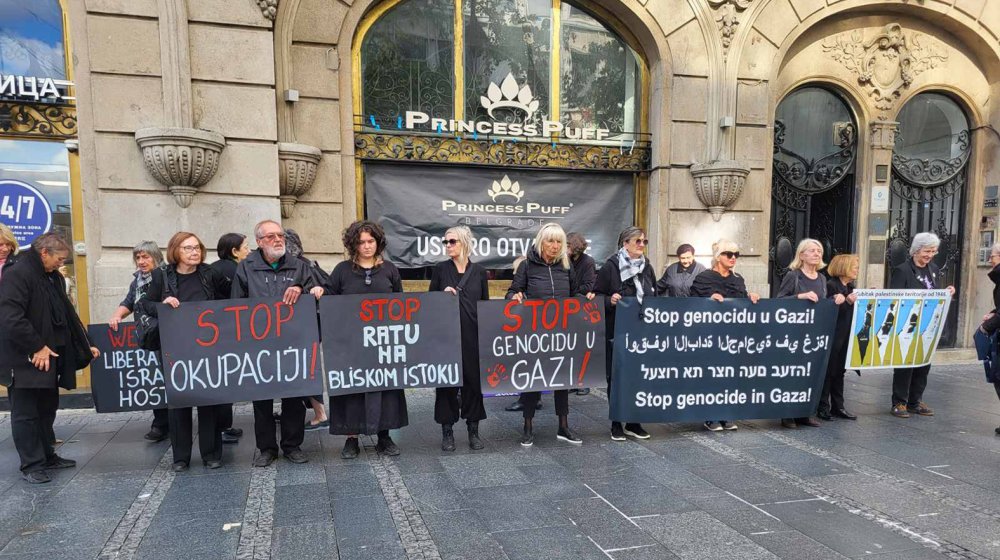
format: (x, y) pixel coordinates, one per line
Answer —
(208, 115)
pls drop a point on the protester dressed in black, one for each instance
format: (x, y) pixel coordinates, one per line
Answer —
(375, 412)
(843, 271)
(42, 345)
(678, 277)
(467, 280)
(231, 249)
(627, 273)
(546, 273)
(917, 273)
(187, 279)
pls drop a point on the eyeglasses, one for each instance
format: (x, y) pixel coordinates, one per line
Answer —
(368, 277)
(191, 248)
(450, 242)
(271, 237)
(641, 241)
(730, 254)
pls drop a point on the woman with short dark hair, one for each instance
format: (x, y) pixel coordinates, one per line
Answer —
(231, 249)
(376, 412)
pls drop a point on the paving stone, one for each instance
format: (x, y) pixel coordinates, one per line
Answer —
(353, 479)
(792, 544)
(635, 495)
(461, 535)
(435, 492)
(289, 474)
(301, 504)
(696, 534)
(193, 494)
(655, 552)
(372, 551)
(43, 537)
(361, 520)
(607, 527)
(304, 540)
(552, 543)
(192, 535)
(70, 553)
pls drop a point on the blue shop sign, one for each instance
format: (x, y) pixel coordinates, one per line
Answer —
(24, 210)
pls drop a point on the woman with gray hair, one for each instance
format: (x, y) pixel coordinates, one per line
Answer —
(147, 257)
(917, 273)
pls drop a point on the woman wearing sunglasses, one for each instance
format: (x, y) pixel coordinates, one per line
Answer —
(376, 412)
(461, 277)
(719, 283)
(627, 273)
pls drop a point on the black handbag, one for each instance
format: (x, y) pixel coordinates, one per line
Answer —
(147, 332)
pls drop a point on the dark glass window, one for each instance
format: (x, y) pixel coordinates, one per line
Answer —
(932, 126)
(31, 39)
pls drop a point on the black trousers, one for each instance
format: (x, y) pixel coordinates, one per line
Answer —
(32, 414)
(209, 434)
(225, 420)
(531, 399)
(908, 385)
(161, 420)
(293, 424)
(450, 403)
(832, 397)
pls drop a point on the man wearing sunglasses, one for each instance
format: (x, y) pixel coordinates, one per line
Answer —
(269, 273)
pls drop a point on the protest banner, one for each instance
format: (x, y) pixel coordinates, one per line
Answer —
(224, 351)
(694, 359)
(375, 342)
(124, 377)
(541, 344)
(896, 328)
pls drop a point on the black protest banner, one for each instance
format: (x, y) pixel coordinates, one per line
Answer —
(683, 359)
(375, 342)
(225, 351)
(124, 377)
(541, 344)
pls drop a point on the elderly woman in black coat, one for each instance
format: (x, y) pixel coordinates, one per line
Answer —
(546, 273)
(38, 321)
(917, 273)
(627, 273)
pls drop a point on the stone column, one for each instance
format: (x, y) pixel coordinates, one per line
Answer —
(875, 199)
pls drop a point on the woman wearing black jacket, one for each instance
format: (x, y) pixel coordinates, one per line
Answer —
(843, 271)
(627, 273)
(467, 280)
(186, 279)
(917, 273)
(546, 273)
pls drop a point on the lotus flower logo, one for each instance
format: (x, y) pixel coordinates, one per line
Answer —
(504, 187)
(507, 94)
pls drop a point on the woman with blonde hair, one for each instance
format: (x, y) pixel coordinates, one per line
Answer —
(8, 248)
(843, 272)
(803, 281)
(719, 283)
(546, 273)
(467, 280)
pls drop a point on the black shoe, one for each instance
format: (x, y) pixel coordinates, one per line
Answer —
(447, 437)
(824, 415)
(351, 449)
(214, 464)
(474, 442)
(581, 392)
(386, 446)
(297, 456)
(154, 435)
(636, 431)
(265, 459)
(36, 477)
(310, 427)
(713, 426)
(515, 406)
(567, 435)
(226, 438)
(728, 426)
(57, 462)
(235, 432)
(789, 423)
(527, 438)
(617, 433)
(841, 413)
(808, 421)
(997, 431)
(179, 466)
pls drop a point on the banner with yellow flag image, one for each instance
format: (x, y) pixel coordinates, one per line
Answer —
(896, 328)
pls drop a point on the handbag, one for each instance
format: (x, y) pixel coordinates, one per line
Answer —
(147, 332)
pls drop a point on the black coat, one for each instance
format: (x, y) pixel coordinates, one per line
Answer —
(908, 277)
(255, 278)
(676, 282)
(991, 325)
(609, 281)
(845, 316)
(537, 279)
(585, 273)
(711, 282)
(32, 303)
(476, 289)
(226, 267)
(163, 284)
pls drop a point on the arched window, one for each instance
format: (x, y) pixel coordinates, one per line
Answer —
(31, 39)
(509, 61)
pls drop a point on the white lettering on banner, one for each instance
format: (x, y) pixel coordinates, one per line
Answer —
(33, 88)
(233, 370)
(416, 375)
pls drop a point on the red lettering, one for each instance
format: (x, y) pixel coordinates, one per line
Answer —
(534, 305)
(366, 311)
(253, 321)
(132, 342)
(512, 316)
(554, 305)
(570, 307)
(118, 339)
(235, 310)
(277, 311)
(205, 324)
(412, 306)
(395, 309)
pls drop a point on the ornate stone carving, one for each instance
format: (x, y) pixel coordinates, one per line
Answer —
(887, 63)
(719, 184)
(727, 15)
(37, 120)
(483, 152)
(269, 8)
(884, 134)
(297, 165)
(182, 159)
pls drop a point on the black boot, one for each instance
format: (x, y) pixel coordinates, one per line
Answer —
(447, 437)
(474, 442)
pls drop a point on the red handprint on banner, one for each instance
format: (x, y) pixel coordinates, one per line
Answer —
(592, 311)
(494, 373)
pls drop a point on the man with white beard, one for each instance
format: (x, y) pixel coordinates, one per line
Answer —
(267, 273)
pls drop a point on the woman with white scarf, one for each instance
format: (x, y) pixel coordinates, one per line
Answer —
(627, 273)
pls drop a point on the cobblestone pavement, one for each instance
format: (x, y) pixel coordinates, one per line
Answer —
(881, 487)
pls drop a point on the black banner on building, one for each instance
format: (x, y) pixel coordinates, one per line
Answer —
(124, 377)
(391, 341)
(503, 207)
(541, 344)
(225, 351)
(694, 359)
